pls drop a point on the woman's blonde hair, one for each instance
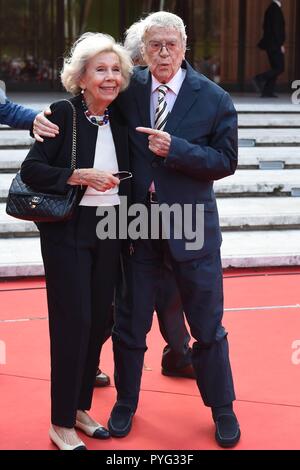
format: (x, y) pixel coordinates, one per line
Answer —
(84, 49)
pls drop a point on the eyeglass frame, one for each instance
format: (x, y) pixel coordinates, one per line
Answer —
(162, 45)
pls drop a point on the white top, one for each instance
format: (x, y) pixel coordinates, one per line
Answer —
(105, 160)
(278, 3)
(174, 86)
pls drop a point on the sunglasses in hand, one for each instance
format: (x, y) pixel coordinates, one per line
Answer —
(123, 175)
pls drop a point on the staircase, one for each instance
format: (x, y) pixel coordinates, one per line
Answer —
(259, 206)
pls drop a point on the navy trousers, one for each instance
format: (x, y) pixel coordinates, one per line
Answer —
(200, 283)
(276, 59)
(171, 319)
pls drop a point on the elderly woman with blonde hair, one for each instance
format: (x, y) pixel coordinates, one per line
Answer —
(80, 268)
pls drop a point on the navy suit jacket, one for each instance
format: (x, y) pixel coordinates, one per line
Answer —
(203, 127)
(14, 115)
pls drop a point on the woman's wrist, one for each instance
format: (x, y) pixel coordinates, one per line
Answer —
(76, 179)
(79, 177)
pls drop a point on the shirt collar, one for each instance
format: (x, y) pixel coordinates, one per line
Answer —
(278, 3)
(174, 84)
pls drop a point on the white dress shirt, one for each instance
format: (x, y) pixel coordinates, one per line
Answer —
(278, 3)
(174, 87)
(105, 160)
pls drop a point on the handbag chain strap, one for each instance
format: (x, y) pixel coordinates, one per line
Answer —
(74, 136)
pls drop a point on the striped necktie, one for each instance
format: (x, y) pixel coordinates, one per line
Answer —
(161, 112)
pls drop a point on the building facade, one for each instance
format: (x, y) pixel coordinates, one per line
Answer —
(223, 36)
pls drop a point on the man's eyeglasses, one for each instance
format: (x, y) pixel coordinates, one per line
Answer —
(157, 46)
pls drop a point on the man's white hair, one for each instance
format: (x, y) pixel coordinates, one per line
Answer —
(133, 41)
(164, 19)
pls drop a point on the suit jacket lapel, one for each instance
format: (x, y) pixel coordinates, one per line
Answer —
(120, 137)
(185, 99)
(142, 92)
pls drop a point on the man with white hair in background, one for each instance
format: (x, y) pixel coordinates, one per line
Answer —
(133, 42)
(177, 357)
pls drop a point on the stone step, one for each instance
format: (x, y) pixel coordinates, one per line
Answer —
(269, 120)
(37, 100)
(255, 213)
(249, 157)
(5, 182)
(11, 159)
(243, 182)
(244, 102)
(261, 249)
(252, 104)
(252, 120)
(258, 183)
(15, 139)
(253, 157)
(11, 227)
(22, 257)
(267, 137)
(235, 214)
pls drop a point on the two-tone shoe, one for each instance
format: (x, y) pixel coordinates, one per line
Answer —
(63, 445)
(97, 431)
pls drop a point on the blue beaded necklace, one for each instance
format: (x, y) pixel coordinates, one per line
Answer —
(96, 120)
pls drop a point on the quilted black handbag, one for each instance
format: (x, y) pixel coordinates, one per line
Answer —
(25, 203)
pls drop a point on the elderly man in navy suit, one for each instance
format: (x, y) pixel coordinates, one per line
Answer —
(183, 136)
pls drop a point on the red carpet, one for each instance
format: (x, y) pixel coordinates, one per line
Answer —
(171, 415)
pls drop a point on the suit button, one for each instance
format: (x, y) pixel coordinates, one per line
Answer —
(155, 165)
